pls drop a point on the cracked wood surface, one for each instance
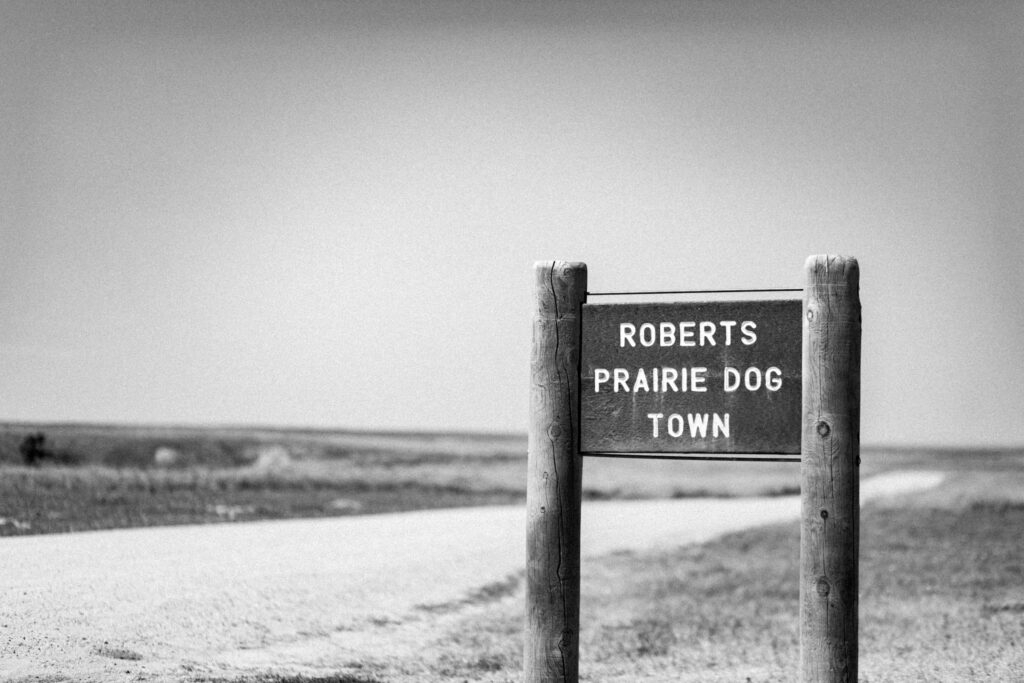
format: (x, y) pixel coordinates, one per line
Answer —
(554, 476)
(830, 455)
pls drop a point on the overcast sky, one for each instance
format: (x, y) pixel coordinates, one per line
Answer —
(327, 214)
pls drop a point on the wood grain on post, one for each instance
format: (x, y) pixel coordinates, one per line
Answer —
(554, 477)
(829, 470)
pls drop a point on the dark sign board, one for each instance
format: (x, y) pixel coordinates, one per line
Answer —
(705, 378)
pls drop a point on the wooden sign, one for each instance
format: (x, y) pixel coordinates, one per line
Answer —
(706, 378)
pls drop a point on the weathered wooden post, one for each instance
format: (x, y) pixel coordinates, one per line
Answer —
(829, 470)
(554, 477)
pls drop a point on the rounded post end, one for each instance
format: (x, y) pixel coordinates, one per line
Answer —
(833, 269)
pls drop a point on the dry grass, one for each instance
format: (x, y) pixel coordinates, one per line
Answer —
(941, 576)
(215, 447)
(49, 500)
(100, 477)
(942, 599)
(111, 477)
(97, 476)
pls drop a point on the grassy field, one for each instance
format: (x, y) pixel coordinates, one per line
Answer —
(99, 476)
(942, 576)
(104, 476)
(942, 599)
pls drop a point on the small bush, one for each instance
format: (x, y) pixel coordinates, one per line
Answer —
(33, 449)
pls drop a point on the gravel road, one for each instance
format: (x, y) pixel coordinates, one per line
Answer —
(173, 603)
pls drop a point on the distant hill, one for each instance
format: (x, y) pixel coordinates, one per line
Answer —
(229, 446)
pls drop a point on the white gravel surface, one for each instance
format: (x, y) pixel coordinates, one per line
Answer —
(172, 603)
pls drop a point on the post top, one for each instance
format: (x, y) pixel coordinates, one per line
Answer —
(560, 288)
(560, 266)
(833, 268)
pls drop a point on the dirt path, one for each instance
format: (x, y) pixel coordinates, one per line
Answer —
(175, 602)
